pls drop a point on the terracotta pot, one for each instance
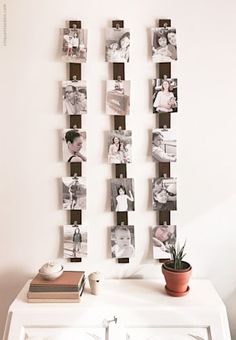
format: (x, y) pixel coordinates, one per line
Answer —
(177, 280)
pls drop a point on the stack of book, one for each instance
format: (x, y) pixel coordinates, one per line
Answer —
(67, 288)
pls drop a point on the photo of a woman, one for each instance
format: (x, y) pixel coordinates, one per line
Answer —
(164, 95)
(117, 45)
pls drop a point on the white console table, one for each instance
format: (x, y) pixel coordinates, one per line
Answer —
(143, 309)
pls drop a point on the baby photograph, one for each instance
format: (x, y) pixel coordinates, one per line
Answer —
(164, 95)
(74, 45)
(74, 97)
(164, 47)
(163, 236)
(122, 241)
(118, 97)
(117, 45)
(75, 241)
(122, 194)
(164, 195)
(74, 145)
(74, 193)
(120, 146)
(164, 145)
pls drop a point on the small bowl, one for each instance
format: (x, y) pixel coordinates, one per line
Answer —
(51, 276)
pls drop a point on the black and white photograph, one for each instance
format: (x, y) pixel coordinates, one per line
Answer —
(74, 193)
(117, 45)
(164, 46)
(74, 46)
(164, 193)
(120, 147)
(118, 97)
(74, 97)
(164, 98)
(122, 194)
(75, 241)
(163, 237)
(164, 145)
(74, 145)
(122, 241)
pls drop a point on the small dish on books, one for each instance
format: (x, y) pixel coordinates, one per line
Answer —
(51, 271)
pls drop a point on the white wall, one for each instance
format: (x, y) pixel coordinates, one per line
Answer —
(31, 166)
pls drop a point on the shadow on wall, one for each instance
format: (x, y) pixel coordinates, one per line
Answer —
(230, 303)
(11, 283)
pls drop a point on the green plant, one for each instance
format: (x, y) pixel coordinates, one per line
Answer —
(177, 255)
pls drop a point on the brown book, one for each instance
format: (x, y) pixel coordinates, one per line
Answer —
(69, 281)
(53, 295)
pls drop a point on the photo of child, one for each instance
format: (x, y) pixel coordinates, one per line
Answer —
(74, 145)
(164, 47)
(74, 193)
(163, 145)
(122, 194)
(164, 97)
(74, 97)
(118, 97)
(117, 45)
(120, 147)
(122, 241)
(163, 236)
(75, 241)
(164, 196)
(74, 45)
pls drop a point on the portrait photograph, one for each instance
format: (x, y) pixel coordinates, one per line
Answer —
(164, 95)
(164, 46)
(120, 147)
(74, 46)
(117, 45)
(75, 241)
(74, 97)
(74, 145)
(164, 145)
(164, 194)
(122, 194)
(118, 97)
(122, 241)
(163, 236)
(74, 193)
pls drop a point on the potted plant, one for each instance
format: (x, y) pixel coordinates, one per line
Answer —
(177, 272)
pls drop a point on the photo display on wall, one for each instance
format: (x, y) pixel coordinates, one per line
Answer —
(74, 145)
(117, 45)
(122, 241)
(74, 46)
(164, 46)
(122, 194)
(120, 147)
(163, 237)
(75, 241)
(74, 97)
(164, 194)
(74, 193)
(118, 97)
(164, 145)
(164, 99)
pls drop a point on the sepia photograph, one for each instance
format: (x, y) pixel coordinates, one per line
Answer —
(74, 145)
(122, 194)
(163, 236)
(74, 193)
(120, 147)
(74, 97)
(74, 46)
(164, 145)
(118, 97)
(164, 47)
(164, 99)
(75, 241)
(117, 45)
(122, 241)
(164, 194)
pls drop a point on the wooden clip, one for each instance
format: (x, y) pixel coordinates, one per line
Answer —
(122, 223)
(74, 78)
(117, 26)
(74, 26)
(165, 176)
(120, 128)
(165, 25)
(119, 78)
(121, 176)
(165, 224)
(164, 128)
(75, 176)
(75, 224)
(165, 77)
